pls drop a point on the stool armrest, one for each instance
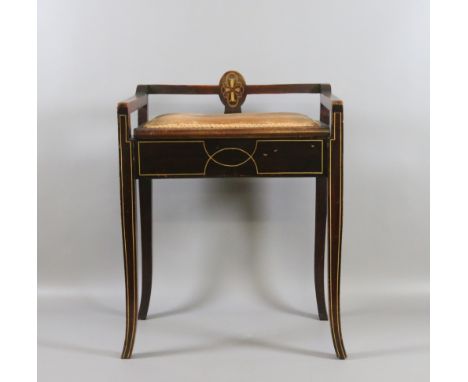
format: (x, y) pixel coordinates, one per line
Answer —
(133, 103)
(139, 102)
(329, 105)
(330, 101)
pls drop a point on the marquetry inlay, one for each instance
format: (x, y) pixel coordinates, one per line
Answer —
(232, 89)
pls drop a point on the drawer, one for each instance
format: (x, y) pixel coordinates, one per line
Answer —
(230, 157)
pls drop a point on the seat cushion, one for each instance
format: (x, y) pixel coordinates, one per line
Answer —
(186, 125)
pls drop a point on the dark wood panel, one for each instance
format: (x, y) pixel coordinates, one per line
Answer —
(231, 158)
(287, 157)
(165, 158)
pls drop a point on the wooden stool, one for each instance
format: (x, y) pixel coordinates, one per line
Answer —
(232, 144)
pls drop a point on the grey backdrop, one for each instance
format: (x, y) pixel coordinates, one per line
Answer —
(232, 240)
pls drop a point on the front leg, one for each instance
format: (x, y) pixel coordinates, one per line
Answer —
(335, 222)
(127, 205)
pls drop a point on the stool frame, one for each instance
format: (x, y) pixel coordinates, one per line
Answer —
(329, 188)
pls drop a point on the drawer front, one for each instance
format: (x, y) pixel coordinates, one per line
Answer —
(231, 157)
(289, 157)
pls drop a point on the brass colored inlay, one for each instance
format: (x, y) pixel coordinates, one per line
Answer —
(212, 157)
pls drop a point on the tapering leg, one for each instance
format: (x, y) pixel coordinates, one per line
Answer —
(127, 200)
(145, 189)
(335, 220)
(319, 257)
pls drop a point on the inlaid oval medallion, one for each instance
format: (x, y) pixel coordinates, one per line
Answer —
(232, 90)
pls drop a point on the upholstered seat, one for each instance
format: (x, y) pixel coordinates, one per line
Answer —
(231, 125)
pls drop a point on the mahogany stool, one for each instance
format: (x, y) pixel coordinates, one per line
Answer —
(233, 144)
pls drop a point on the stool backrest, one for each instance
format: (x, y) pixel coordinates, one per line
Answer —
(233, 90)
